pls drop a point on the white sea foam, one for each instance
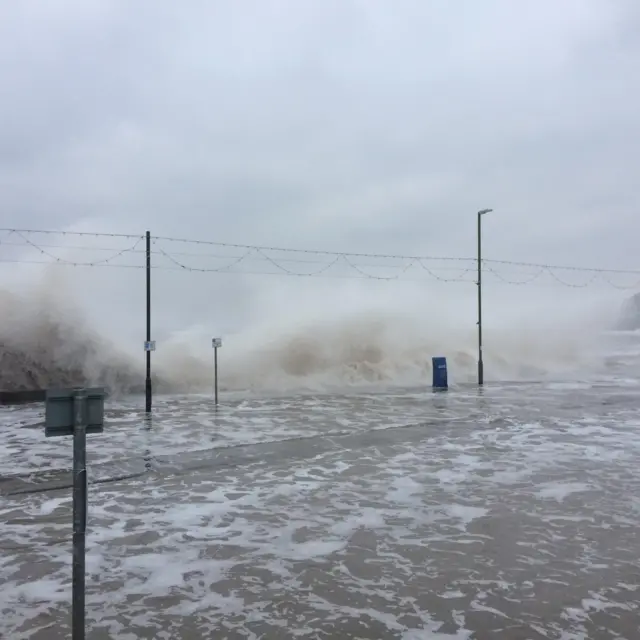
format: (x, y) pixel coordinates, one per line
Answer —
(197, 541)
(216, 546)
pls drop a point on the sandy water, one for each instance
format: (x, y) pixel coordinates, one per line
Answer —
(510, 513)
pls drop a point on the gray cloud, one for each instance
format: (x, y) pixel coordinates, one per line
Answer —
(368, 126)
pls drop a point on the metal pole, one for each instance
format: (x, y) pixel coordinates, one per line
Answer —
(480, 359)
(79, 514)
(215, 374)
(480, 362)
(148, 389)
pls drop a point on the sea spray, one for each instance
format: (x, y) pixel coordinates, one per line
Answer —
(62, 327)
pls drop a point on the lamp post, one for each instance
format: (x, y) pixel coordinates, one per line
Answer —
(479, 283)
(148, 345)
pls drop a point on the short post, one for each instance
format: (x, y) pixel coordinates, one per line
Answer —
(76, 412)
(440, 378)
(216, 343)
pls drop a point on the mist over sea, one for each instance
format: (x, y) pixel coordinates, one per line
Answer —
(63, 326)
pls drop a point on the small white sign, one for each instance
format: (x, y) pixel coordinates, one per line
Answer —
(150, 346)
(216, 342)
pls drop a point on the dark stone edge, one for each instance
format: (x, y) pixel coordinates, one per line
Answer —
(22, 397)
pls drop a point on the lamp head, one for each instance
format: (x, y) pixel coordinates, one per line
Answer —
(483, 211)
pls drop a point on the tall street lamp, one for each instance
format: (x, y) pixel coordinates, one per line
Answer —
(480, 362)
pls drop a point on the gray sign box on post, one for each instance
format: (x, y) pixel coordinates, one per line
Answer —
(76, 412)
(59, 412)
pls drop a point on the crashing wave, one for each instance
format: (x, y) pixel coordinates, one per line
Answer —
(42, 347)
(629, 319)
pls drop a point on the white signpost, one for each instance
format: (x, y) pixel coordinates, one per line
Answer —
(216, 343)
(150, 346)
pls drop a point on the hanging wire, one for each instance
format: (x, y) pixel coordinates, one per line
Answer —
(326, 263)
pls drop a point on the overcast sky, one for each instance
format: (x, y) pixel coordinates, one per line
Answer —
(359, 125)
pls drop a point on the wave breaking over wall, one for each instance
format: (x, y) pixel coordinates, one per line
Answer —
(45, 341)
(46, 344)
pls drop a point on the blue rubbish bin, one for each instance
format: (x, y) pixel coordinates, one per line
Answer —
(439, 366)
